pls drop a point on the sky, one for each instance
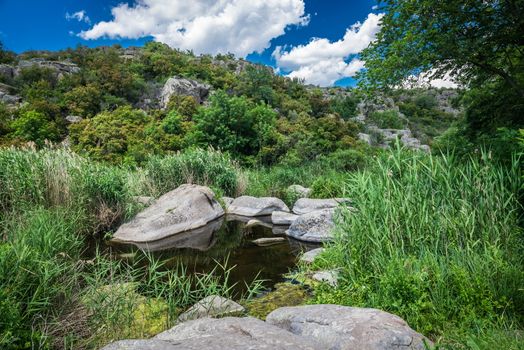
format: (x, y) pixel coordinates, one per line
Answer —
(315, 40)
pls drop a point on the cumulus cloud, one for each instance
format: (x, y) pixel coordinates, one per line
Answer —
(204, 26)
(80, 16)
(322, 62)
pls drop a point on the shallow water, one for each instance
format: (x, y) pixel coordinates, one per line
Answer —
(228, 239)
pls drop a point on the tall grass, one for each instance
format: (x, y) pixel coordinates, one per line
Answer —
(435, 241)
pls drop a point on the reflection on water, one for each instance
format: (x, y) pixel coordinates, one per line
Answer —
(200, 250)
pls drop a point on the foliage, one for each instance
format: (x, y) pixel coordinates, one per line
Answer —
(345, 106)
(34, 126)
(387, 120)
(436, 240)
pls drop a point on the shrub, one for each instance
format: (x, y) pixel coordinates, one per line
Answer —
(387, 120)
(34, 126)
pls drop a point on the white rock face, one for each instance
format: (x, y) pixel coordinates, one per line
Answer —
(308, 205)
(348, 328)
(253, 206)
(314, 227)
(283, 218)
(211, 306)
(183, 87)
(187, 208)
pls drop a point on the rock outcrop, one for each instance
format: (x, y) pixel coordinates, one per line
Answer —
(253, 206)
(308, 205)
(342, 327)
(308, 327)
(314, 227)
(187, 208)
(60, 68)
(183, 87)
(212, 306)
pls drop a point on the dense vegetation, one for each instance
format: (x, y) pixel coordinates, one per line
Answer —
(436, 238)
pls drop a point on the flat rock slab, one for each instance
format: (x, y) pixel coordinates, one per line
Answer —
(348, 328)
(308, 205)
(283, 218)
(264, 242)
(186, 208)
(233, 334)
(256, 222)
(309, 257)
(253, 206)
(211, 306)
(316, 226)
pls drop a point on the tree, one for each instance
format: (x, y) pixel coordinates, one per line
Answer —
(34, 126)
(473, 41)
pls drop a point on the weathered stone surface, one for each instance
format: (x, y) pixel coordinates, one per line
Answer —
(308, 205)
(183, 87)
(309, 257)
(7, 71)
(227, 201)
(211, 306)
(60, 68)
(72, 119)
(233, 334)
(347, 328)
(145, 200)
(256, 222)
(328, 276)
(141, 344)
(187, 208)
(252, 206)
(283, 218)
(315, 226)
(263, 242)
(300, 191)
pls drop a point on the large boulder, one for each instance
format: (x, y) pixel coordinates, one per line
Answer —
(253, 206)
(283, 218)
(315, 226)
(183, 87)
(187, 208)
(211, 306)
(348, 328)
(231, 333)
(308, 205)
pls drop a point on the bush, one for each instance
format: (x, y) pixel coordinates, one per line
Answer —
(34, 126)
(387, 120)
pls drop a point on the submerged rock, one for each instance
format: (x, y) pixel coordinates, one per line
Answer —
(309, 257)
(187, 208)
(283, 218)
(263, 242)
(212, 306)
(342, 327)
(308, 205)
(253, 206)
(315, 226)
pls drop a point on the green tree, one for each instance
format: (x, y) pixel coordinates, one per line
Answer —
(34, 126)
(83, 100)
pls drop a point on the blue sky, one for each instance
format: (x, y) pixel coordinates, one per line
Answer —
(198, 25)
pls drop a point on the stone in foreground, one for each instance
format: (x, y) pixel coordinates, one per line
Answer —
(283, 218)
(211, 306)
(348, 328)
(264, 242)
(253, 206)
(187, 208)
(314, 227)
(308, 205)
(309, 257)
(233, 334)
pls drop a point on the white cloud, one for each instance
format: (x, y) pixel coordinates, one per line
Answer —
(322, 62)
(80, 16)
(204, 26)
(425, 79)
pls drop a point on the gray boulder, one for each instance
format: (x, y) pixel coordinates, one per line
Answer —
(267, 241)
(252, 206)
(7, 71)
(299, 191)
(315, 226)
(308, 205)
(211, 306)
(73, 119)
(348, 328)
(227, 201)
(187, 208)
(327, 276)
(183, 87)
(309, 257)
(283, 218)
(233, 334)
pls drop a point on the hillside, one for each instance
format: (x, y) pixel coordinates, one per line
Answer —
(125, 104)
